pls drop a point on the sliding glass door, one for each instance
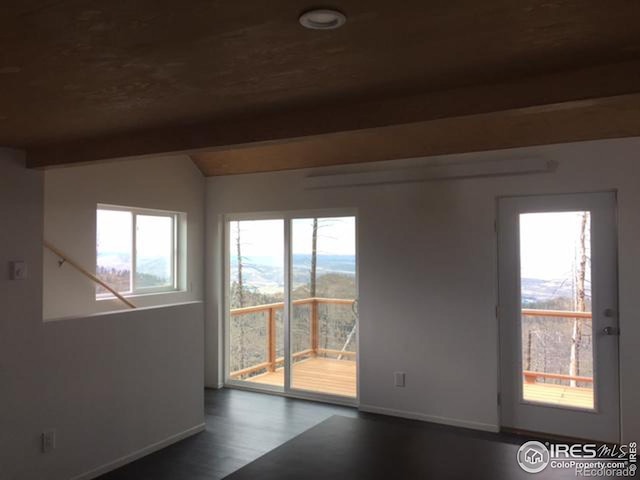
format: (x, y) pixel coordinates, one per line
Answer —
(324, 309)
(255, 301)
(291, 310)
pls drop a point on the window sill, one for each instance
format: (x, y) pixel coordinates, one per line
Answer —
(107, 297)
(111, 313)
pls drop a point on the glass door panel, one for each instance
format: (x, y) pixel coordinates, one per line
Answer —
(555, 265)
(324, 314)
(255, 253)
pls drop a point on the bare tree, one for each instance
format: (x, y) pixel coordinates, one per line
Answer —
(240, 297)
(240, 285)
(329, 320)
(314, 259)
(313, 277)
(580, 299)
(315, 234)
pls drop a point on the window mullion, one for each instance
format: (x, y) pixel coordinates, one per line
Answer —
(174, 251)
(134, 252)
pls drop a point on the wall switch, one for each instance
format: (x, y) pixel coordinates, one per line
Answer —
(48, 441)
(18, 270)
(398, 378)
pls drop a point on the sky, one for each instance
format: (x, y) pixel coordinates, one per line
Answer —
(549, 244)
(261, 238)
(548, 241)
(114, 229)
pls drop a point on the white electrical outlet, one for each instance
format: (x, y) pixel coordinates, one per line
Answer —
(48, 441)
(18, 271)
(398, 378)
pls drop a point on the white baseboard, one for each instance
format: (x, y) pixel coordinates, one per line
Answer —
(214, 386)
(487, 427)
(154, 447)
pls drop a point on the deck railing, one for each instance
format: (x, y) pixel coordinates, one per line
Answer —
(531, 376)
(273, 362)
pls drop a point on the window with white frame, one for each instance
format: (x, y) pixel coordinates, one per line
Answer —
(136, 250)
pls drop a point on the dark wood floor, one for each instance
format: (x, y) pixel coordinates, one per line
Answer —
(241, 426)
(310, 440)
(377, 447)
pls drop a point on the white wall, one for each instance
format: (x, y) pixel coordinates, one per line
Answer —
(111, 384)
(428, 281)
(71, 196)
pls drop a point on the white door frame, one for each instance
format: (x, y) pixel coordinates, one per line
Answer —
(286, 217)
(515, 412)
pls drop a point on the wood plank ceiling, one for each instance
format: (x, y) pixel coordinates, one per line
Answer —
(242, 87)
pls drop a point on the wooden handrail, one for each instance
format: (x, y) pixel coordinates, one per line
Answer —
(266, 306)
(279, 305)
(87, 274)
(334, 301)
(329, 351)
(529, 375)
(527, 312)
(530, 312)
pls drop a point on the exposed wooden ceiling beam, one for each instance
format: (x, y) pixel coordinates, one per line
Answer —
(573, 90)
(613, 117)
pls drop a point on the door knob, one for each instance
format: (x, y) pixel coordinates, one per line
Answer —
(611, 331)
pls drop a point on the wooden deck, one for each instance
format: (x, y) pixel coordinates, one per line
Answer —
(559, 395)
(338, 377)
(316, 374)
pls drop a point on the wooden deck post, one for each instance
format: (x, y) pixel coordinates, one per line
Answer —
(271, 339)
(314, 327)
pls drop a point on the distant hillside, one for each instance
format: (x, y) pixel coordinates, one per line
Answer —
(329, 285)
(328, 263)
(536, 291)
(264, 274)
(152, 267)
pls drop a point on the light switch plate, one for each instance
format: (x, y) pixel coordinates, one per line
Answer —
(18, 270)
(48, 441)
(398, 378)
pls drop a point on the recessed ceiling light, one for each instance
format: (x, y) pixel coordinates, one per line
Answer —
(322, 19)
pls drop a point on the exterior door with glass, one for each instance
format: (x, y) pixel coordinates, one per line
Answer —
(558, 315)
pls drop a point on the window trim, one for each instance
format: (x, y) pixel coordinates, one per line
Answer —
(176, 219)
